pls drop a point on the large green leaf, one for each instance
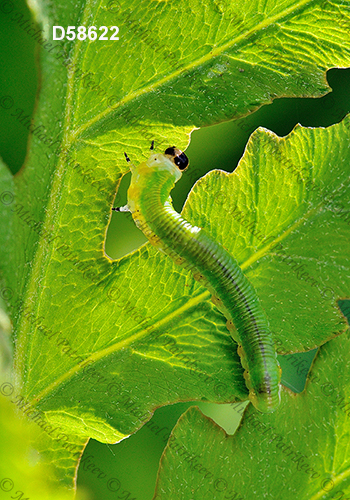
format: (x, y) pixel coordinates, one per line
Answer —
(69, 302)
(132, 323)
(289, 218)
(302, 450)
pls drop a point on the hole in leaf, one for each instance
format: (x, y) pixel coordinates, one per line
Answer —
(221, 147)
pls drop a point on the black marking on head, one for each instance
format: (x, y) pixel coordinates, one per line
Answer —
(178, 157)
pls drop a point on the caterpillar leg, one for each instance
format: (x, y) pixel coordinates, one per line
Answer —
(125, 208)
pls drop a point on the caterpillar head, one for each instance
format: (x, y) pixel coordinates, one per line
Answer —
(172, 161)
(177, 157)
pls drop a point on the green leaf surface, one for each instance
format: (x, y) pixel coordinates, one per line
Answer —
(302, 450)
(96, 339)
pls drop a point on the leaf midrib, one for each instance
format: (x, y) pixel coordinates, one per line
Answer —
(122, 344)
(336, 481)
(26, 344)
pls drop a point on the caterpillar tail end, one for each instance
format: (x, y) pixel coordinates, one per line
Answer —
(265, 402)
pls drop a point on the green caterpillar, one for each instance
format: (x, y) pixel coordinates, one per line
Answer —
(189, 246)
